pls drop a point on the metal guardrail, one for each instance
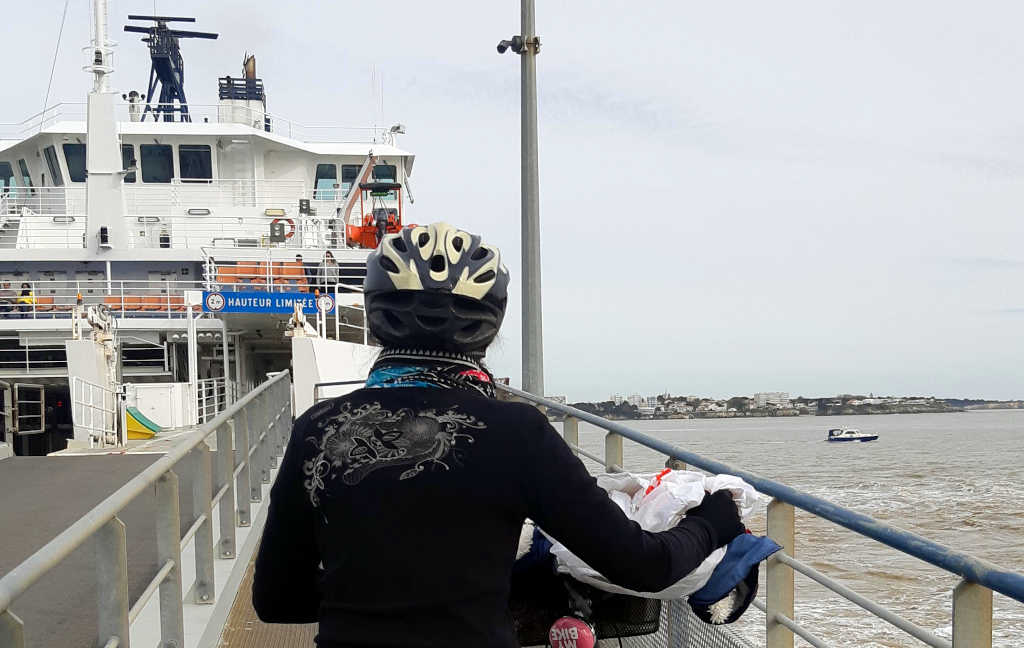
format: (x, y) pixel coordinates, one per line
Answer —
(972, 597)
(256, 429)
(219, 212)
(219, 113)
(56, 298)
(95, 410)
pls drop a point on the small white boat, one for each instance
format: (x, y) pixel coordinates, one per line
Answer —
(849, 434)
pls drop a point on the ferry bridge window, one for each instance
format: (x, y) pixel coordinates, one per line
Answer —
(26, 177)
(323, 184)
(74, 155)
(53, 164)
(157, 162)
(349, 175)
(386, 173)
(195, 162)
(128, 161)
(6, 176)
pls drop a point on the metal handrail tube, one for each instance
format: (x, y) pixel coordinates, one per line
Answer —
(973, 569)
(19, 579)
(909, 627)
(800, 631)
(150, 590)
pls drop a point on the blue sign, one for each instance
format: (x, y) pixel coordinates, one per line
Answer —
(254, 301)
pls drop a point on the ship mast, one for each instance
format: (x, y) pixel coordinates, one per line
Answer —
(104, 218)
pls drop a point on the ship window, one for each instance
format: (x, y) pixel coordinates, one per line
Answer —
(326, 179)
(386, 173)
(128, 161)
(6, 175)
(26, 177)
(53, 164)
(157, 162)
(74, 155)
(349, 175)
(194, 160)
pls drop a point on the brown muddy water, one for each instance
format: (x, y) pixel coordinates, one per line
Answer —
(955, 479)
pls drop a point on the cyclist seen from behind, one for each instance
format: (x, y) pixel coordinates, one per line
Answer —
(397, 512)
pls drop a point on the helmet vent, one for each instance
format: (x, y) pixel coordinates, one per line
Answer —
(431, 322)
(423, 239)
(479, 253)
(457, 244)
(437, 263)
(388, 264)
(485, 277)
(400, 244)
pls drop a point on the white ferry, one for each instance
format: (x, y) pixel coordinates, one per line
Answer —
(849, 434)
(191, 232)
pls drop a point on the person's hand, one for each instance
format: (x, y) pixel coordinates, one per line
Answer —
(721, 513)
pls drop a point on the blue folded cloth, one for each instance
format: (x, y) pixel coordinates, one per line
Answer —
(743, 553)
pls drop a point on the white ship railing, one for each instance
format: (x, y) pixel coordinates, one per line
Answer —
(972, 597)
(95, 410)
(219, 113)
(249, 436)
(180, 214)
(212, 397)
(125, 298)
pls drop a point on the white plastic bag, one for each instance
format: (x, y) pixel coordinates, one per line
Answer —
(657, 502)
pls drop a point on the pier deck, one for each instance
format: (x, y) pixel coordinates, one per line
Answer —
(42, 496)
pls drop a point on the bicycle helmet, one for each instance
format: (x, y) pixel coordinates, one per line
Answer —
(435, 287)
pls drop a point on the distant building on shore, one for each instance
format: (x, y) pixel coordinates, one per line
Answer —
(778, 400)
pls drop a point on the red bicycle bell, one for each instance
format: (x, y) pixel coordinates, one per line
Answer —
(572, 632)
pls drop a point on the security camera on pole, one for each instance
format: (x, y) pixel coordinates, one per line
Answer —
(527, 45)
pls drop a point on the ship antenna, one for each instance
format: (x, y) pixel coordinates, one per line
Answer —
(53, 66)
(168, 66)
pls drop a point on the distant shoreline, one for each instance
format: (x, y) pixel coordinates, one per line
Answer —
(936, 407)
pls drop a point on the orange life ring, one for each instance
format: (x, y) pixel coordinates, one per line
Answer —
(291, 226)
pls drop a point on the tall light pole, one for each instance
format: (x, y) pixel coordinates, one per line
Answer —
(527, 45)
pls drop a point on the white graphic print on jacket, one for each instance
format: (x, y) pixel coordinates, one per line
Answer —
(358, 441)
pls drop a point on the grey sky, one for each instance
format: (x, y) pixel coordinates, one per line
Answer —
(816, 197)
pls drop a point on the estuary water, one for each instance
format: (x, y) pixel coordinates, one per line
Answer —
(957, 479)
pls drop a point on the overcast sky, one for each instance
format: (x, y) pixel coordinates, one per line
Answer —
(813, 197)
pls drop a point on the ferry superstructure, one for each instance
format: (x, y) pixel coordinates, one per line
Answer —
(144, 204)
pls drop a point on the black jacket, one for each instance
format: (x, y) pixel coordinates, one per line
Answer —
(412, 500)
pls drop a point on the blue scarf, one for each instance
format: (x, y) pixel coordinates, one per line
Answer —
(437, 369)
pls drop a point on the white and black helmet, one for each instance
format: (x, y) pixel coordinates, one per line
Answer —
(435, 287)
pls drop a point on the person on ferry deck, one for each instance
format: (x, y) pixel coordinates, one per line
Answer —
(396, 514)
(330, 273)
(7, 298)
(308, 270)
(26, 299)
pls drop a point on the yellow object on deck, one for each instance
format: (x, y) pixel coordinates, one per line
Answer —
(140, 427)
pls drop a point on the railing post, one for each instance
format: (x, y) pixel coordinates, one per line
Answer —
(168, 547)
(972, 616)
(571, 432)
(270, 412)
(612, 452)
(202, 589)
(243, 494)
(12, 630)
(253, 454)
(778, 576)
(264, 453)
(226, 478)
(112, 584)
(675, 464)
